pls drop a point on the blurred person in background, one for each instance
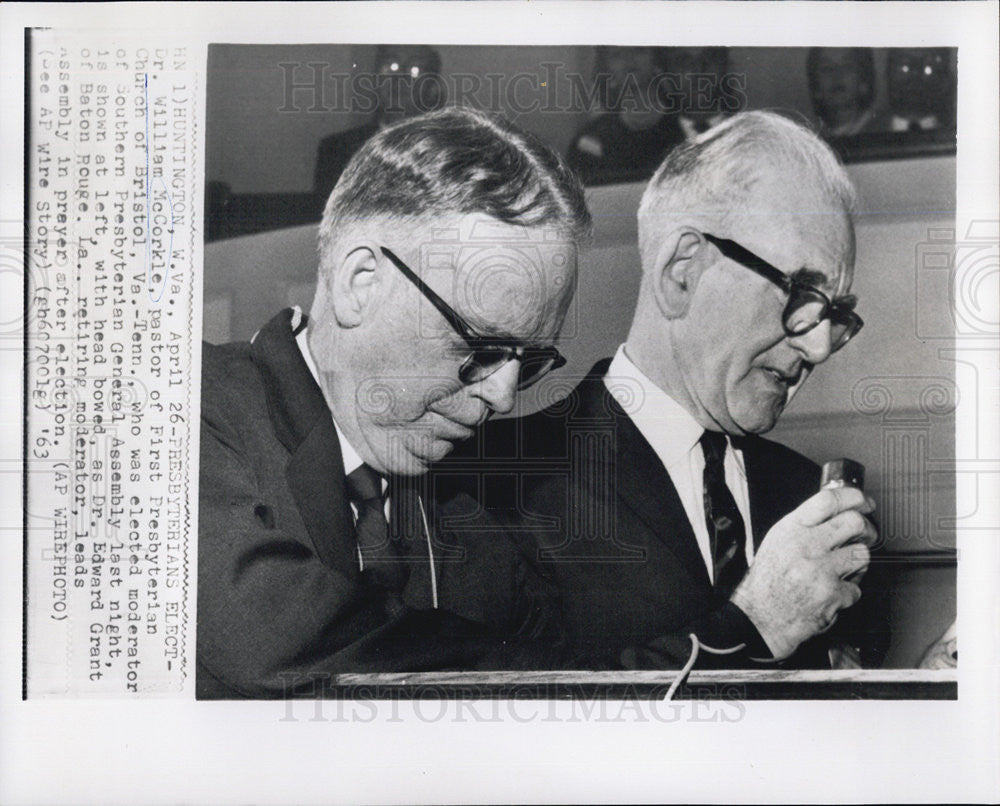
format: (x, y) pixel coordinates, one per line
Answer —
(710, 93)
(629, 139)
(407, 81)
(921, 90)
(842, 88)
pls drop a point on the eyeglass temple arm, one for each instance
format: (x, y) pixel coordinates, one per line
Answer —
(443, 307)
(743, 255)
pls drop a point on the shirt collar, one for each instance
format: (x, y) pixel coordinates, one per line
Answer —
(667, 426)
(690, 127)
(352, 461)
(854, 126)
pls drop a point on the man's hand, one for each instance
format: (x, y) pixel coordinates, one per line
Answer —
(802, 574)
(943, 653)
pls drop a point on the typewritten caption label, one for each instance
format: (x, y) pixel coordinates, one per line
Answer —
(111, 395)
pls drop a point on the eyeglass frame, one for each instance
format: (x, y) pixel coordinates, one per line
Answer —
(740, 254)
(476, 341)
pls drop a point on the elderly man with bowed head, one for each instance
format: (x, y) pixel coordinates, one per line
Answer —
(645, 507)
(316, 554)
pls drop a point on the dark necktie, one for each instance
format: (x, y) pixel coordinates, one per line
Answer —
(378, 555)
(726, 529)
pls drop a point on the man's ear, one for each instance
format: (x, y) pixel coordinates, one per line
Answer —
(354, 286)
(679, 264)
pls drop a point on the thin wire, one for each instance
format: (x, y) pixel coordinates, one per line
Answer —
(715, 651)
(682, 675)
(686, 670)
(430, 553)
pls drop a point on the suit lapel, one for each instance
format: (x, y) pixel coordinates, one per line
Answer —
(302, 422)
(765, 482)
(642, 482)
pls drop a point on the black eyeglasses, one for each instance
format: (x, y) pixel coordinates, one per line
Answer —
(807, 306)
(488, 354)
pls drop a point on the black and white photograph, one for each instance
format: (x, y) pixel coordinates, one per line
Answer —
(574, 424)
(501, 401)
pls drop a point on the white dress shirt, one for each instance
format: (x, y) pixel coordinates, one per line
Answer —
(674, 436)
(352, 461)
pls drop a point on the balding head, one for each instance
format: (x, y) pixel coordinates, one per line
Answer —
(711, 179)
(453, 211)
(708, 327)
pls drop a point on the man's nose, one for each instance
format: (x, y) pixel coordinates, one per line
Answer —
(499, 389)
(815, 345)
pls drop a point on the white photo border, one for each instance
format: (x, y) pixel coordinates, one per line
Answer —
(170, 751)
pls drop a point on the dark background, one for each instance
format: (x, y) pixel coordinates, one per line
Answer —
(261, 139)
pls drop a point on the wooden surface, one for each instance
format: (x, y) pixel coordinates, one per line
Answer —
(714, 684)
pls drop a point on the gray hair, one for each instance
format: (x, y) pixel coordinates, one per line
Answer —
(710, 177)
(456, 161)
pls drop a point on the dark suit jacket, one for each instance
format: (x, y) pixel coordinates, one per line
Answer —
(578, 495)
(282, 604)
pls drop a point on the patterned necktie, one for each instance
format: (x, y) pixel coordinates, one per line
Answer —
(378, 555)
(726, 529)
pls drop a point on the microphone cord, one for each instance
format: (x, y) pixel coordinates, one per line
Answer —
(696, 646)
